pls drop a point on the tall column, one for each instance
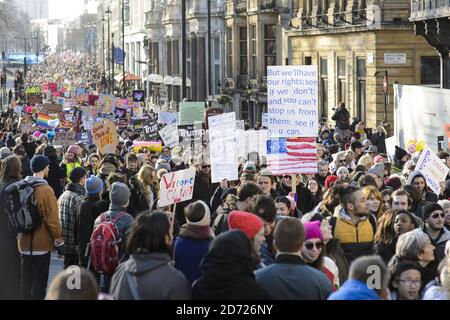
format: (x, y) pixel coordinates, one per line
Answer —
(201, 68)
(194, 78)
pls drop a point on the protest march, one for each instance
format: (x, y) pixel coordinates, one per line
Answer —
(198, 205)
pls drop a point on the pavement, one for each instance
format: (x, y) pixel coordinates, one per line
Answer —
(56, 266)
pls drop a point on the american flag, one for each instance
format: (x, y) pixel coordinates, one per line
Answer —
(292, 156)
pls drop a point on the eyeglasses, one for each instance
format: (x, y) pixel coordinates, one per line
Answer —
(436, 215)
(409, 282)
(311, 245)
(342, 161)
(206, 167)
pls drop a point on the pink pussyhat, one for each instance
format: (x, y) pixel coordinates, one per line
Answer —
(37, 134)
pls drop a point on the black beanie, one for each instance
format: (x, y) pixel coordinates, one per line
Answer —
(400, 153)
(428, 208)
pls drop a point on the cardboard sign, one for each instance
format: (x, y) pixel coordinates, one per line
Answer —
(433, 169)
(170, 135)
(51, 108)
(191, 112)
(104, 135)
(65, 138)
(176, 187)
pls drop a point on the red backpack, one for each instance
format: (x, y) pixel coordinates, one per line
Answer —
(104, 241)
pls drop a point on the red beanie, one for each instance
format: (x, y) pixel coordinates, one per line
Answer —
(247, 222)
(329, 181)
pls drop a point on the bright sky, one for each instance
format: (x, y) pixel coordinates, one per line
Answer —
(67, 9)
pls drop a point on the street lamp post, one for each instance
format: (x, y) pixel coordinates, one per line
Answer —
(103, 50)
(112, 63)
(183, 50)
(123, 47)
(108, 12)
(209, 50)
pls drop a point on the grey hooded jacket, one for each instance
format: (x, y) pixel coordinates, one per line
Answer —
(149, 276)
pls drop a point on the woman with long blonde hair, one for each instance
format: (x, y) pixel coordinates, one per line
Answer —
(144, 190)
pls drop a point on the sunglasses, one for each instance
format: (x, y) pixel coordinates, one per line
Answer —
(206, 167)
(311, 245)
(436, 215)
(342, 161)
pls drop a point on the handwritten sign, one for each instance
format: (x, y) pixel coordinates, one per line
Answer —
(191, 112)
(433, 169)
(292, 101)
(177, 187)
(170, 135)
(104, 136)
(51, 108)
(65, 138)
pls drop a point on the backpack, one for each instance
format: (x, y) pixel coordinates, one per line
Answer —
(104, 245)
(21, 207)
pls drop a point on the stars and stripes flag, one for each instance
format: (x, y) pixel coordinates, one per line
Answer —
(292, 156)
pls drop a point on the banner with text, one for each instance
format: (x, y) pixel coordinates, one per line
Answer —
(433, 169)
(292, 101)
(169, 135)
(176, 187)
(104, 136)
(223, 147)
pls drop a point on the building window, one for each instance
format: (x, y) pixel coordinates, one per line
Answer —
(253, 46)
(188, 58)
(230, 52)
(270, 46)
(324, 87)
(216, 76)
(361, 89)
(342, 81)
(430, 70)
(308, 61)
(244, 110)
(243, 52)
(169, 57)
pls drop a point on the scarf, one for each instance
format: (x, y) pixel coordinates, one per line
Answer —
(195, 232)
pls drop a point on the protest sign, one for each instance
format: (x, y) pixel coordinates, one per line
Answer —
(252, 141)
(150, 128)
(105, 103)
(192, 134)
(150, 145)
(223, 147)
(169, 135)
(240, 125)
(35, 99)
(167, 117)
(191, 112)
(138, 96)
(433, 169)
(211, 112)
(292, 101)
(137, 124)
(65, 138)
(292, 156)
(176, 187)
(51, 108)
(265, 120)
(104, 135)
(447, 135)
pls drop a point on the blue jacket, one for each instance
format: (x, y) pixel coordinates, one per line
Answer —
(354, 290)
(188, 253)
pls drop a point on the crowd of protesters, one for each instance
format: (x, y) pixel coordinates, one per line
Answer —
(260, 237)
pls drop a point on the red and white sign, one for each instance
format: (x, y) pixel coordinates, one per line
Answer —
(292, 156)
(176, 187)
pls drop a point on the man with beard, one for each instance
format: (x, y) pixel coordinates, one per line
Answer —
(354, 226)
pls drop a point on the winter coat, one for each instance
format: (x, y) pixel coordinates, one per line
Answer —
(10, 268)
(138, 202)
(50, 229)
(56, 176)
(354, 290)
(227, 270)
(68, 205)
(123, 224)
(190, 248)
(289, 278)
(342, 118)
(26, 167)
(87, 214)
(439, 244)
(30, 149)
(203, 188)
(426, 194)
(379, 140)
(335, 252)
(153, 278)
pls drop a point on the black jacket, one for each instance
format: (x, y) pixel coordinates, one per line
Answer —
(56, 176)
(30, 149)
(138, 202)
(89, 211)
(227, 270)
(379, 140)
(342, 118)
(9, 254)
(26, 167)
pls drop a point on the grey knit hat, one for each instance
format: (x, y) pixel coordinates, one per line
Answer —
(119, 194)
(377, 169)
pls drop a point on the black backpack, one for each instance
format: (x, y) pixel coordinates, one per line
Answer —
(21, 207)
